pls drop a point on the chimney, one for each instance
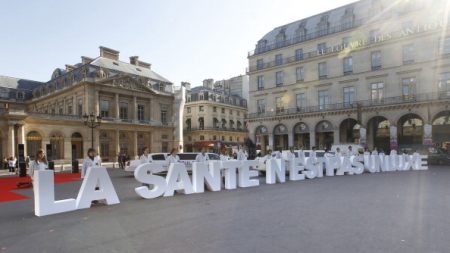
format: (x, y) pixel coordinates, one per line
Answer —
(208, 83)
(86, 60)
(186, 85)
(109, 53)
(69, 67)
(134, 60)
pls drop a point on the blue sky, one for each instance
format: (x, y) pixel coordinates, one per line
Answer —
(184, 40)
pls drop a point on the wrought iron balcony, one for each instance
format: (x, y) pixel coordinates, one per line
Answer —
(417, 98)
(192, 129)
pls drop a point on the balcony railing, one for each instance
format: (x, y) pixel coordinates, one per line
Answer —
(309, 36)
(215, 129)
(423, 97)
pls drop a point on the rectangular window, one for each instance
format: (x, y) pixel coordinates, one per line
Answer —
(201, 108)
(445, 46)
(188, 109)
(123, 110)
(223, 110)
(164, 117)
(300, 74)
(322, 48)
(259, 64)
(61, 111)
(164, 146)
(278, 59)
(260, 82)
(279, 104)
(349, 96)
(348, 65)
(376, 91)
(69, 110)
(322, 70)
(214, 109)
(261, 105)
(231, 112)
(279, 76)
(141, 112)
(104, 149)
(300, 100)
(408, 54)
(324, 99)
(374, 34)
(408, 88)
(104, 108)
(299, 54)
(444, 84)
(376, 60)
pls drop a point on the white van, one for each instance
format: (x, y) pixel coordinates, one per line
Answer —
(160, 158)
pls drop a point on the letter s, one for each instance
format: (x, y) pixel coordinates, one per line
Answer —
(144, 174)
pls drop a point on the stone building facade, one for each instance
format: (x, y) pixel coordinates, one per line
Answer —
(213, 120)
(374, 72)
(135, 103)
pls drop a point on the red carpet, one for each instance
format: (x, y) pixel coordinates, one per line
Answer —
(9, 183)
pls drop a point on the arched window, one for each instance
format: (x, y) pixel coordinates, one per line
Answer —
(34, 143)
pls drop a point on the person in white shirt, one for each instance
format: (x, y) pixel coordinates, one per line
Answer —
(202, 157)
(173, 157)
(40, 163)
(145, 157)
(92, 160)
(242, 154)
(268, 156)
(291, 154)
(12, 164)
(224, 156)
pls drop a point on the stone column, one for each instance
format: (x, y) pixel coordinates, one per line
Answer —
(97, 103)
(135, 144)
(427, 134)
(117, 149)
(11, 146)
(116, 102)
(290, 139)
(312, 139)
(363, 136)
(393, 137)
(68, 149)
(149, 109)
(336, 137)
(135, 110)
(271, 138)
(74, 105)
(97, 139)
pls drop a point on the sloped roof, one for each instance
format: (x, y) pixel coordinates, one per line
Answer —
(128, 68)
(18, 83)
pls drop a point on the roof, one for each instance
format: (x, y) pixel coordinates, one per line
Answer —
(18, 83)
(360, 9)
(127, 68)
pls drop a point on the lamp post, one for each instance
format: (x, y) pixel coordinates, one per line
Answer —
(92, 122)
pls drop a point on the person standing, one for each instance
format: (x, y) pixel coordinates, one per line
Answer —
(291, 154)
(145, 157)
(224, 156)
(40, 163)
(173, 157)
(202, 157)
(92, 160)
(242, 154)
(12, 164)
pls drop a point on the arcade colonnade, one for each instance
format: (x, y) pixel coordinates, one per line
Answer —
(69, 142)
(384, 131)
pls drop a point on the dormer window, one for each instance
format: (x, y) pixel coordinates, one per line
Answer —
(348, 19)
(323, 26)
(20, 95)
(281, 37)
(301, 32)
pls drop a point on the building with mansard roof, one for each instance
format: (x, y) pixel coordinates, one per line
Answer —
(374, 72)
(137, 108)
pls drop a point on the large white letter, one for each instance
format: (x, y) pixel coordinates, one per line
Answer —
(275, 171)
(178, 180)
(96, 177)
(201, 174)
(144, 174)
(245, 174)
(44, 195)
(294, 170)
(230, 169)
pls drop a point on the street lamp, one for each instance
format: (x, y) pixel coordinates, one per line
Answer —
(92, 122)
